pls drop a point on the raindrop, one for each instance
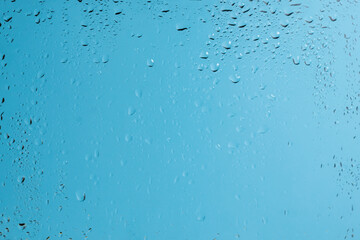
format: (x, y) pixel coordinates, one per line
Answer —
(131, 111)
(296, 60)
(105, 59)
(40, 74)
(150, 62)
(204, 55)
(235, 78)
(128, 138)
(117, 11)
(214, 67)
(138, 93)
(200, 67)
(333, 19)
(180, 27)
(80, 196)
(226, 45)
(275, 35)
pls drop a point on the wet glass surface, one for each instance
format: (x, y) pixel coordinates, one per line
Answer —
(192, 119)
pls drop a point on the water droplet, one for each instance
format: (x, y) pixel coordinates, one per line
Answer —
(118, 11)
(128, 138)
(204, 55)
(275, 35)
(105, 59)
(21, 179)
(138, 93)
(150, 62)
(296, 60)
(80, 196)
(181, 27)
(235, 78)
(226, 45)
(131, 111)
(262, 130)
(200, 67)
(333, 18)
(214, 67)
(40, 74)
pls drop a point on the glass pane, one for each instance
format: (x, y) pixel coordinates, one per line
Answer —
(191, 119)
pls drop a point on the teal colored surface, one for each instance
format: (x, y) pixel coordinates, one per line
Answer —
(179, 120)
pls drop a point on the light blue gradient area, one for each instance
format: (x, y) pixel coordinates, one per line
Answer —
(168, 151)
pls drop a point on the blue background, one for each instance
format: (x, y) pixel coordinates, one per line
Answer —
(121, 120)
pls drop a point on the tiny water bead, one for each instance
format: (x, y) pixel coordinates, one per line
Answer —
(234, 78)
(204, 55)
(131, 111)
(80, 196)
(105, 59)
(275, 35)
(226, 44)
(214, 67)
(296, 60)
(201, 67)
(181, 27)
(150, 62)
(21, 179)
